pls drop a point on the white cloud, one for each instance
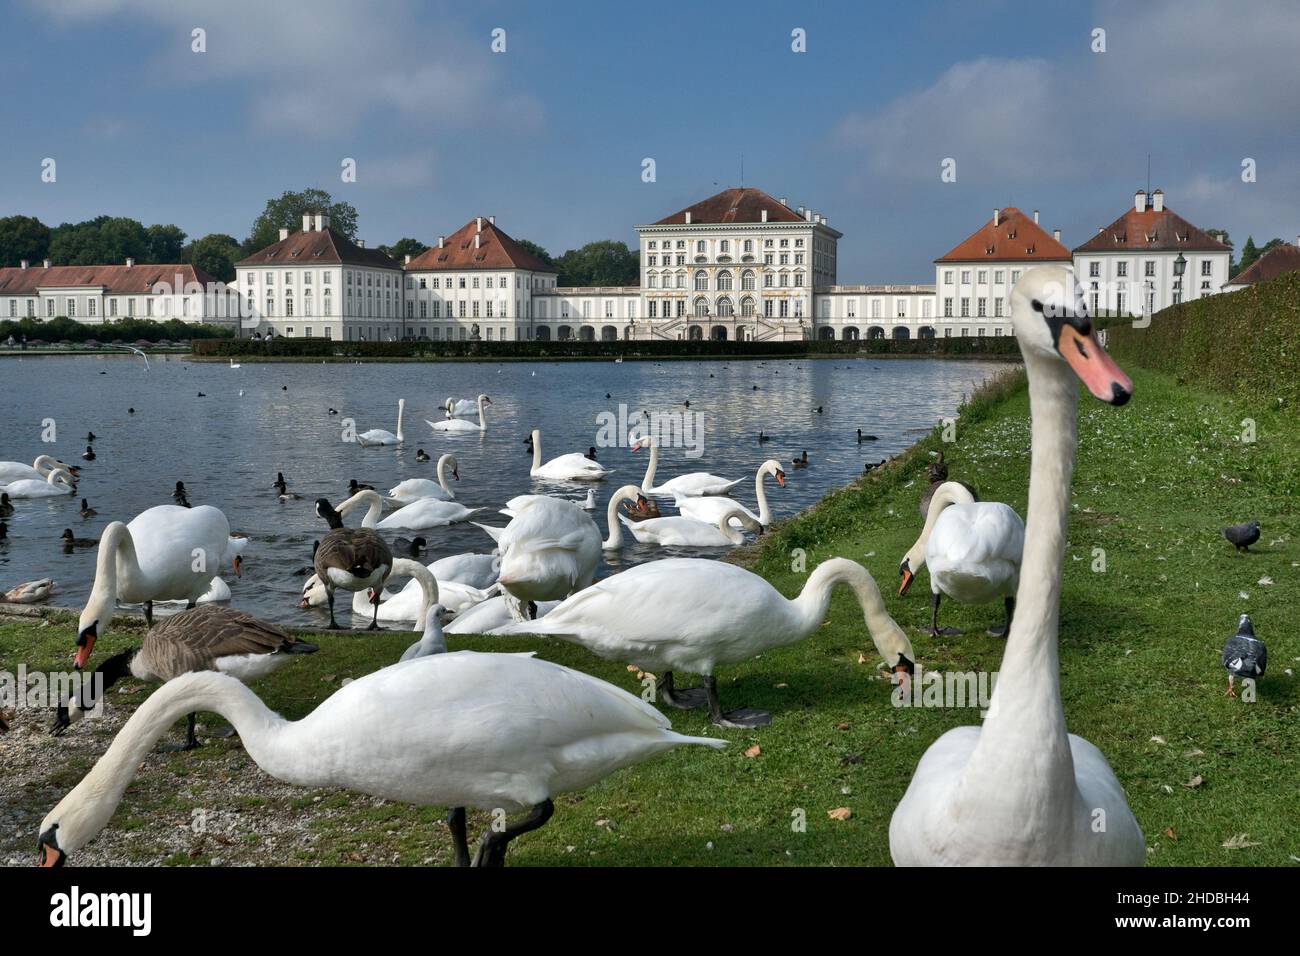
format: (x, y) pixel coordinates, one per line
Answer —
(321, 68)
(396, 172)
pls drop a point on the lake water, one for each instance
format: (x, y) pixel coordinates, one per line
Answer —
(228, 446)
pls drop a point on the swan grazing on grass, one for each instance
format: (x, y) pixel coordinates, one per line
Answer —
(678, 531)
(459, 424)
(692, 614)
(972, 549)
(710, 509)
(493, 613)
(57, 482)
(378, 436)
(491, 731)
(574, 466)
(38, 470)
(1019, 790)
(693, 485)
(165, 553)
(414, 488)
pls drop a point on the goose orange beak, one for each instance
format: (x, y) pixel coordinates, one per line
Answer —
(1095, 368)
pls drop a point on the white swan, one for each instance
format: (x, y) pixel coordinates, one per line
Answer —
(412, 488)
(374, 507)
(413, 601)
(379, 436)
(1019, 790)
(571, 467)
(426, 513)
(710, 509)
(473, 570)
(972, 549)
(462, 406)
(57, 482)
(491, 614)
(166, 552)
(549, 551)
(692, 485)
(678, 531)
(459, 424)
(38, 470)
(692, 614)
(449, 730)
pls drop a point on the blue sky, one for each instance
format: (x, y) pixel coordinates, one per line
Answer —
(549, 136)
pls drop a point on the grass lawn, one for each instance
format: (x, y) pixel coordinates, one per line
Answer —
(1140, 675)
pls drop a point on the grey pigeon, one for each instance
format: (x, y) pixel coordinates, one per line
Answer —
(1242, 536)
(1244, 655)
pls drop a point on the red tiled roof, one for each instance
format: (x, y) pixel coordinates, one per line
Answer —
(1277, 261)
(495, 250)
(1015, 238)
(116, 280)
(744, 204)
(325, 247)
(1151, 231)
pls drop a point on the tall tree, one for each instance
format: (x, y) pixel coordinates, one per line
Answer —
(1248, 255)
(165, 243)
(403, 248)
(287, 211)
(536, 250)
(605, 262)
(23, 237)
(104, 240)
(216, 254)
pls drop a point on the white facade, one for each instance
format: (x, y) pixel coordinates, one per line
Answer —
(852, 312)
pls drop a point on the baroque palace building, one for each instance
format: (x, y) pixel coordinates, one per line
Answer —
(739, 265)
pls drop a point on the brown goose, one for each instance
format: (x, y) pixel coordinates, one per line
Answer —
(209, 637)
(354, 559)
(937, 472)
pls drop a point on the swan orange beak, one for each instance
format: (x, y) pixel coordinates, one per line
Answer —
(1095, 368)
(907, 577)
(237, 564)
(49, 856)
(304, 604)
(636, 447)
(780, 478)
(904, 680)
(83, 652)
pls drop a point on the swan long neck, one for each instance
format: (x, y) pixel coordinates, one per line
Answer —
(648, 482)
(537, 449)
(117, 567)
(1024, 736)
(764, 513)
(428, 583)
(89, 806)
(615, 539)
(401, 407)
(815, 598)
(442, 471)
(375, 506)
(482, 420)
(948, 493)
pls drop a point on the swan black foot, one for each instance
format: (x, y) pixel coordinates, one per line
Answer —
(690, 699)
(456, 824)
(1005, 629)
(191, 741)
(225, 733)
(741, 718)
(492, 846)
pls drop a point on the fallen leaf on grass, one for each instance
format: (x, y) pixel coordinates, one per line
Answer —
(839, 813)
(1238, 841)
(1194, 782)
(1169, 832)
(1157, 740)
(843, 725)
(1194, 753)
(754, 751)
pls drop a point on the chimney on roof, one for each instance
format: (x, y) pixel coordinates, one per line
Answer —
(688, 217)
(784, 202)
(1158, 200)
(307, 219)
(1140, 200)
(476, 239)
(322, 221)
(284, 234)
(997, 215)
(407, 260)
(23, 264)
(807, 215)
(492, 219)
(441, 241)
(1035, 217)
(47, 263)
(1056, 234)
(361, 243)
(130, 262)
(764, 219)
(478, 222)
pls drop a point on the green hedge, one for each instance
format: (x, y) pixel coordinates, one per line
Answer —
(1245, 343)
(126, 329)
(323, 348)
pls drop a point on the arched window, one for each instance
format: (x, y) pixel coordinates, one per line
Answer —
(543, 334)
(875, 332)
(901, 334)
(587, 333)
(719, 333)
(724, 281)
(701, 307)
(701, 281)
(564, 333)
(850, 333)
(825, 332)
(747, 280)
(747, 306)
(608, 333)
(725, 308)
(695, 332)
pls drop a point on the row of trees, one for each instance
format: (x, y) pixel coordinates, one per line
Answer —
(113, 239)
(126, 329)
